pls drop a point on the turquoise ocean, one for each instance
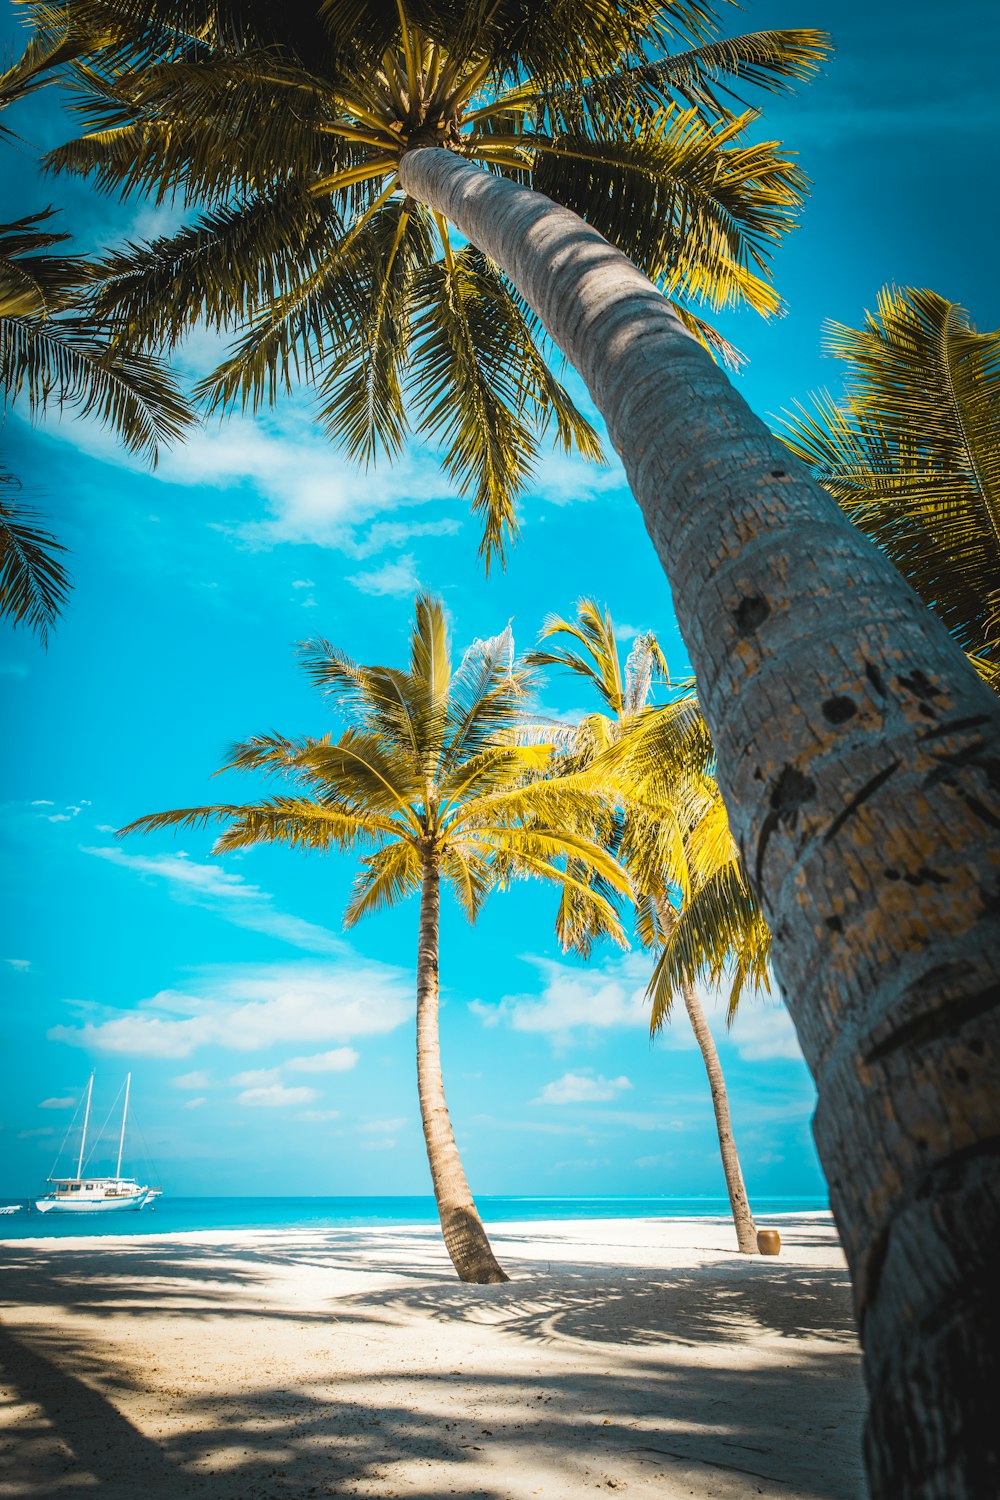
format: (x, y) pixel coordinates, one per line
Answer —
(172, 1215)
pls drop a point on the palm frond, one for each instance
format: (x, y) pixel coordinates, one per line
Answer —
(63, 362)
(34, 585)
(912, 452)
(386, 877)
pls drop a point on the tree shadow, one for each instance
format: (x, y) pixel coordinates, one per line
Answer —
(736, 1378)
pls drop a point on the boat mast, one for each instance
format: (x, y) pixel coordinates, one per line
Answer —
(121, 1140)
(86, 1120)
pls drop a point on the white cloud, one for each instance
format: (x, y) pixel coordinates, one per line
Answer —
(303, 583)
(248, 1008)
(229, 895)
(382, 1127)
(582, 1088)
(398, 578)
(197, 1080)
(41, 802)
(577, 999)
(195, 1103)
(318, 1116)
(20, 965)
(65, 1101)
(256, 1078)
(763, 1030)
(276, 1096)
(339, 1060)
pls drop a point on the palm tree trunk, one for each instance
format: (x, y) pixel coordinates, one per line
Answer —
(857, 755)
(739, 1203)
(746, 1229)
(464, 1235)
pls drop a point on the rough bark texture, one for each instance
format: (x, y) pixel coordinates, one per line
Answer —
(464, 1235)
(858, 755)
(746, 1229)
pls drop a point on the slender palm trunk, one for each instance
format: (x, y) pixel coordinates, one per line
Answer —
(746, 1229)
(857, 755)
(464, 1235)
(739, 1203)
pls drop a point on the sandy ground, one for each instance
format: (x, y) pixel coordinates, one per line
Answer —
(642, 1356)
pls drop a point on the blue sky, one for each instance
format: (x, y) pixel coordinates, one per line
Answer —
(271, 1054)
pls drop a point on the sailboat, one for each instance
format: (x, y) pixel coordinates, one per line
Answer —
(96, 1195)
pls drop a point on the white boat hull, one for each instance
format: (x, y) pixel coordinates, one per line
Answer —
(93, 1206)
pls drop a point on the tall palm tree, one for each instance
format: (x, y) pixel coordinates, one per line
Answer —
(288, 136)
(54, 352)
(625, 693)
(429, 777)
(855, 744)
(912, 453)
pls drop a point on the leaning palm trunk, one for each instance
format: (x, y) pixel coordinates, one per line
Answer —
(464, 1235)
(856, 752)
(746, 1229)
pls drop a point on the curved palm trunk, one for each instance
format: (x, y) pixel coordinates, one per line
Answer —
(857, 755)
(464, 1235)
(746, 1229)
(739, 1203)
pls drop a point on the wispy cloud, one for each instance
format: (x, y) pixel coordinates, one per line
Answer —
(197, 1080)
(583, 1088)
(228, 894)
(251, 1007)
(574, 1000)
(276, 1096)
(19, 965)
(763, 1030)
(65, 1101)
(397, 579)
(338, 1060)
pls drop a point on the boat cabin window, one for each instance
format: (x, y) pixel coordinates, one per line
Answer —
(63, 1187)
(74, 1187)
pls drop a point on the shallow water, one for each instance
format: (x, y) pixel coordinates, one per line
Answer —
(171, 1214)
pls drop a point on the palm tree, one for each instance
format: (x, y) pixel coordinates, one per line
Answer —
(288, 137)
(429, 777)
(912, 453)
(655, 874)
(855, 744)
(55, 352)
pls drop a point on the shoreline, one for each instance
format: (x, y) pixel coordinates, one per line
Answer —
(637, 1354)
(494, 1227)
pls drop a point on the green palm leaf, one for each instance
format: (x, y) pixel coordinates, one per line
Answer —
(34, 585)
(912, 453)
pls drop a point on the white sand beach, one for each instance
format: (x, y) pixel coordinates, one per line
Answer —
(642, 1356)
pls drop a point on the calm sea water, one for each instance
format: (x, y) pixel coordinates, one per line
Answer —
(173, 1214)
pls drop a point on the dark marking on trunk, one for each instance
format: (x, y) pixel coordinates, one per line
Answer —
(839, 710)
(751, 613)
(952, 726)
(835, 924)
(920, 685)
(974, 805)
(791, 792)
(924, 876)
(875, 678)
(947, 1016)
(868, 790)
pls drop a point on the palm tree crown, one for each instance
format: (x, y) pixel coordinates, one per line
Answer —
(286, 128)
